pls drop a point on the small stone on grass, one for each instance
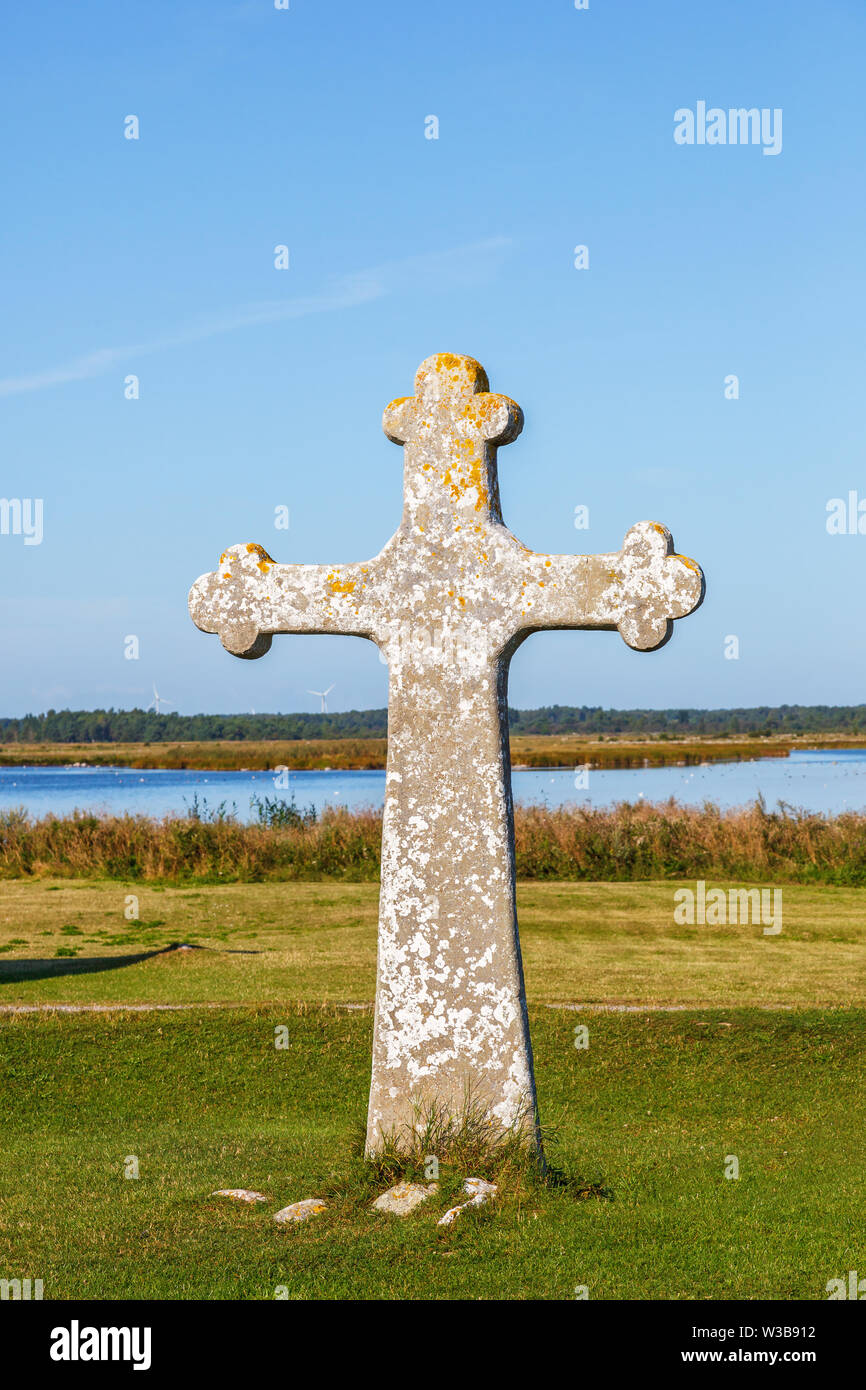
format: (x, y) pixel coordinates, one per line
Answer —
(240, 1194)
(300, 1211)
(405, 1197)
(478, 1190)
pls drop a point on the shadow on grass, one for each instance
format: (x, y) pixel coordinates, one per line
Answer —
(14, 971)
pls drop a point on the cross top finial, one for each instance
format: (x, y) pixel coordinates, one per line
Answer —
(452, 387)
(446, 376)
(450, 430)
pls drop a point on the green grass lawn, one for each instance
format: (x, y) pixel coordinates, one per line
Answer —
(765, 1064)
(648, 1113)
(270, 942)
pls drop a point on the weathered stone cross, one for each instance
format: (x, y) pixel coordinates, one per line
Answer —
(448, 601)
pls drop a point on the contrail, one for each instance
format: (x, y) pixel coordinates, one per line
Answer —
(461, 264)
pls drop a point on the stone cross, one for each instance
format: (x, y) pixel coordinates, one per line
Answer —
(448, 601)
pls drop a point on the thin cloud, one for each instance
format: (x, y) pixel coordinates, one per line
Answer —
(91, 364)
(438, 270)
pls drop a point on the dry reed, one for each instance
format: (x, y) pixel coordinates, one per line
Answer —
(626, 842)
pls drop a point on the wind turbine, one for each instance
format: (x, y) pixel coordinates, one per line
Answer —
(157, 701)
(322, 696)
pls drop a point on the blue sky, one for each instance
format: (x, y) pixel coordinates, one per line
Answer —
(261, 388)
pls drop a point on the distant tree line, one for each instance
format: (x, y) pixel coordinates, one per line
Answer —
(675, 723)
(142, 726)
(145, 726)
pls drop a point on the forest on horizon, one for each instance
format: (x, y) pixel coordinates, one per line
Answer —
(145, 726)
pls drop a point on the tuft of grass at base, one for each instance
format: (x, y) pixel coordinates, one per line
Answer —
(467, 1139)
(647, 1119)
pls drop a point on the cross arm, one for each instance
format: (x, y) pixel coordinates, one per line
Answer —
(638, 590)
(250, 598)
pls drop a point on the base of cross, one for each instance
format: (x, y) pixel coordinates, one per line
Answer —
(463, 1133)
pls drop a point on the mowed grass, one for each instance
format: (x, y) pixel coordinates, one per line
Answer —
(68, 941)
(647, 1117)
(765, 1064)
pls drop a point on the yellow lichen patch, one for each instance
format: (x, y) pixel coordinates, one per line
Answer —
(253, 549)
(340, 586)
(547, 564)
(461, 369)
(466, 480)
(691, 564)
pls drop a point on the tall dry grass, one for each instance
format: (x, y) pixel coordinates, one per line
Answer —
(668, 840)
(625, 843)
(311, 754)
(535, 750)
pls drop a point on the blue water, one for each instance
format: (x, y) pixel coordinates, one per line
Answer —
(824, 780)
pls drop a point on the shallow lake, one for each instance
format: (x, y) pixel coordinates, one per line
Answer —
(826, 780)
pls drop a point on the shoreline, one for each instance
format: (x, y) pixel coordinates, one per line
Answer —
(529, 753)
